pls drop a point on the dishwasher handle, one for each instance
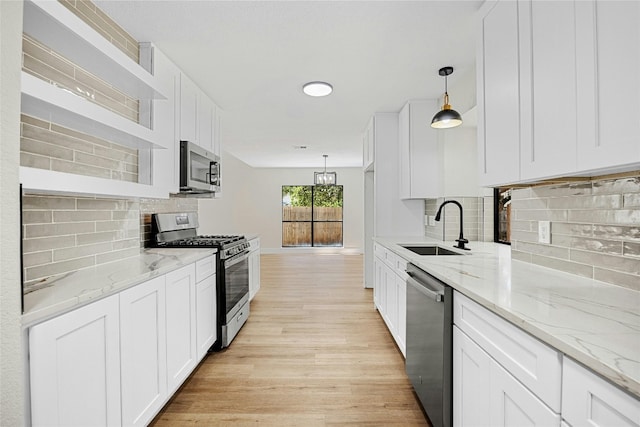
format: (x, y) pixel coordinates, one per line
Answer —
(422, 287)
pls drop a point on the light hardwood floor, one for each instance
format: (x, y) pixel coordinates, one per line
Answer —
(314, 352)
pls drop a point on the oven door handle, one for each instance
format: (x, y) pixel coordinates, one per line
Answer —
(236, 259)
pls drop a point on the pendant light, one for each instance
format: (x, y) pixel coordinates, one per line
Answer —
(325, 178)
(446, 118)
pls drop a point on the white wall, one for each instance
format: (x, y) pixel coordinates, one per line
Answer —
(251, 202)
(11, 355)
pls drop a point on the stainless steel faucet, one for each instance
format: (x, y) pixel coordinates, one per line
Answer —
(461, 240)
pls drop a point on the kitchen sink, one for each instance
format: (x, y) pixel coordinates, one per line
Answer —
(429, 250)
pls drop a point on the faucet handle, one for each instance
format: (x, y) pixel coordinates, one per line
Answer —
(461, 243)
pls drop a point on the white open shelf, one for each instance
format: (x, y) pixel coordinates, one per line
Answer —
(51, 182)
(52, 103)
(58, 28)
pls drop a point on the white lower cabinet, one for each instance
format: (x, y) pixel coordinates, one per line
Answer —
(485, 394)
(504, 377)
(512, 404)
(118, 360)
(181, 321)
(254, 267)
(143, 351)
(588, 400)
(206, 333)
(391, 301)
(501, 375)
(471, 374)
(401, 338)
(390, 293)
(75, 367)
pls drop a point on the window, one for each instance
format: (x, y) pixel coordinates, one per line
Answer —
(312, 215)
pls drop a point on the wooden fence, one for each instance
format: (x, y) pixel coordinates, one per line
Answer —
(299, 233)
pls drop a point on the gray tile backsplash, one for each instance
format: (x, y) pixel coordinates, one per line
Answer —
(477, 217)
(64, 234)
(46, 145)
(595, 228)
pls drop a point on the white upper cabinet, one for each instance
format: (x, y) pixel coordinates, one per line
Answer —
(206, 121)
(166, 115)
(547, 68)
(558, 89)
(199, 117)
(498, 94)
(608, 78)
(217, 123)
(188, 109)
(420, 160)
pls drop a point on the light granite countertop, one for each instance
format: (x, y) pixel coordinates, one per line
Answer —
(593, 322)
(58, 294)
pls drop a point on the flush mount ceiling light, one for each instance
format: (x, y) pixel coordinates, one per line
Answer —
(325, 178)
(317, 88)
(446, 118)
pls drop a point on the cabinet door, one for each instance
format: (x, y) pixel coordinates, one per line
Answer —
(402, 315)
(254, 273)
(391, 302)
(608, 66)
(498, 94)
(512, 404)
(379, 287)
(166, 116)
(548, 88)
(188, 109)
(420, 158)
(181, 325)
(471, 379)
(206, 330)
(75, 367)
(205, 122)
(217, 123)
(588, 400)
(143, 351)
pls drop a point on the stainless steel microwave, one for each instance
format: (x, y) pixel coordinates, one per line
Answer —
(199, 170)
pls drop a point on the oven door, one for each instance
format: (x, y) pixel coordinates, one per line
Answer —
(236, 283)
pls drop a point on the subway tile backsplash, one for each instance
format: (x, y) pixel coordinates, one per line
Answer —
(64, 234)
(595, 228)
(477, 217)
(45, 145)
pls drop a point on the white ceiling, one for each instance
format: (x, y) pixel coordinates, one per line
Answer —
(252, 58)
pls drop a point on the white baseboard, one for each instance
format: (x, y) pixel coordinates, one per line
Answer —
(307, 250)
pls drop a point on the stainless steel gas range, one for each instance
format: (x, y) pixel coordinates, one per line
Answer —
(178, 230)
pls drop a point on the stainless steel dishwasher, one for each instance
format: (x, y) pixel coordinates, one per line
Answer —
(429, 344)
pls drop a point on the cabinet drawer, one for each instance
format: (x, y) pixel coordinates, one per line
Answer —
(589, 400)
(400, 266)
(536, 365)
(205, 268)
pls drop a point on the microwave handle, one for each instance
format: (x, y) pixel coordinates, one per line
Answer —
(211, 173)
